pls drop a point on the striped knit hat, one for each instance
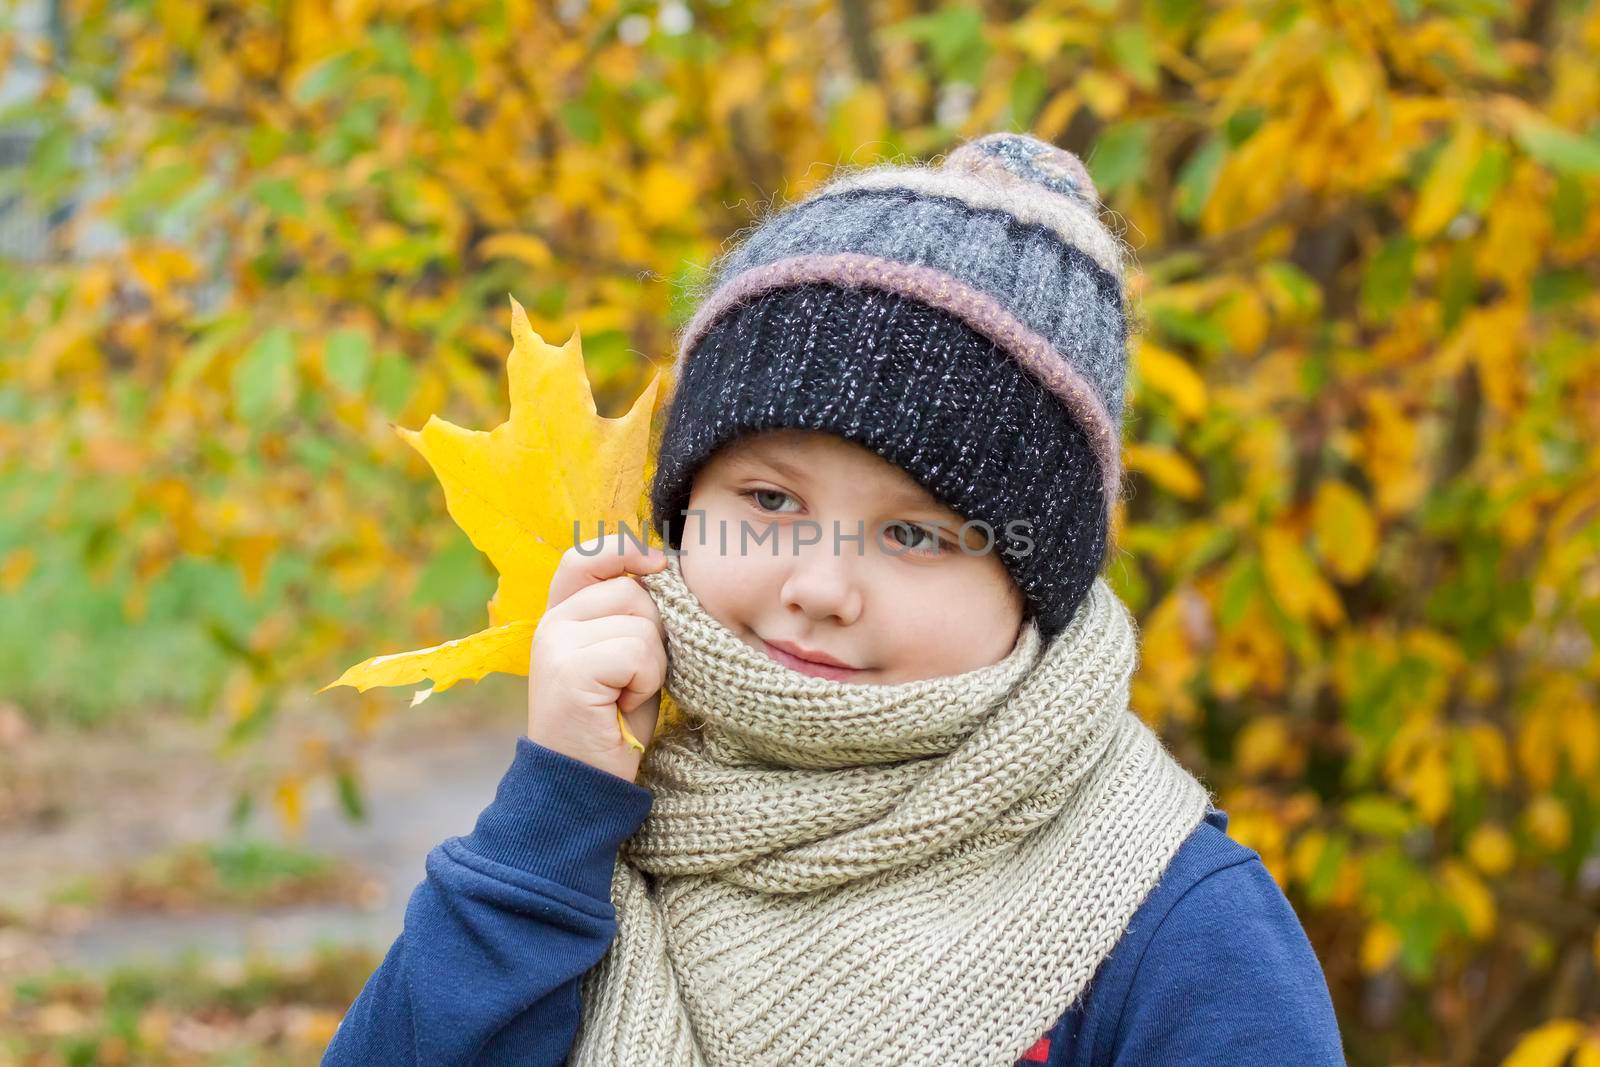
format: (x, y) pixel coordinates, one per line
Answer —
(963, 321)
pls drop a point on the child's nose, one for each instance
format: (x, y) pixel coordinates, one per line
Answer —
(824, 585)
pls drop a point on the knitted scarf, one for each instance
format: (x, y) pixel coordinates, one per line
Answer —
(922, 872)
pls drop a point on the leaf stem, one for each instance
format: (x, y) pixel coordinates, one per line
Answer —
(627, 734)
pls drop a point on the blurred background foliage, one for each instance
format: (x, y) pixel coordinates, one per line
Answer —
(238, 241)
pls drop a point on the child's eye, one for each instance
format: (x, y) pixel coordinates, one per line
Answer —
(755, 496)
(932, 546)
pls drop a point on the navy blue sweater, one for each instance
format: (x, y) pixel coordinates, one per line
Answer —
(1214, 967)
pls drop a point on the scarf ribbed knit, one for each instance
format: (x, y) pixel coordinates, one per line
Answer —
(922, 872)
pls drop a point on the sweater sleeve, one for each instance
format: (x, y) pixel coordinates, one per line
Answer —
(1229, 977)
(503, 927)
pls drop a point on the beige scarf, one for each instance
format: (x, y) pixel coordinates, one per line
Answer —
(926, 872)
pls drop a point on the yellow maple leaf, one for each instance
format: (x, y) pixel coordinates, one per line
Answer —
(524, 492)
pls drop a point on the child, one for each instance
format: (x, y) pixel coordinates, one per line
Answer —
(907, 814)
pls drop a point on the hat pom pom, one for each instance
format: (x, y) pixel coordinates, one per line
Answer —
(1026, 157)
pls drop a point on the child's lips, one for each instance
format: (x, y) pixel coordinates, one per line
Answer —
(806, 666)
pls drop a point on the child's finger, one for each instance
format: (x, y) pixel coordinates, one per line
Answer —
(600, 559)
(623, 668)
(621, 595)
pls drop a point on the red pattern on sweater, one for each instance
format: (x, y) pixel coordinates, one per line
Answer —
(1039, 1053)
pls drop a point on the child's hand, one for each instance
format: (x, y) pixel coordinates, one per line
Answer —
(598, 648)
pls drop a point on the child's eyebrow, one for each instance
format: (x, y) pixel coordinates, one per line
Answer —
(752, 459)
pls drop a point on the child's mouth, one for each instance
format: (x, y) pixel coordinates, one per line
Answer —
(805, 666)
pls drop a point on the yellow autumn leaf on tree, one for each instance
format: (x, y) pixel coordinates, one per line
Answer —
(524, 492)
(1169, 374)
(1490, 752)
(1261, 744)
(1491, 850)
(1296, 584)
(524, 247)
(1417, 766)
(1472, 899)
(1547, 1045)
(1346, 533)
(1243, 316)
(1446, 186)
(1547, 821)
(1380, 944)
(1166, 468)
(666, 194)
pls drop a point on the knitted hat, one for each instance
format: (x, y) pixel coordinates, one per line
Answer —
(963, 321)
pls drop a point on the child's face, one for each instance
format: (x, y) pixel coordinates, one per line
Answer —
(893, 607)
